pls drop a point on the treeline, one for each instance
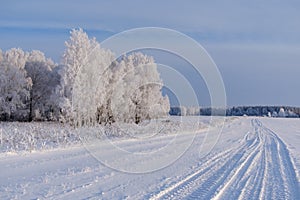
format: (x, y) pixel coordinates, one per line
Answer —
(89, 86)
(269, 111)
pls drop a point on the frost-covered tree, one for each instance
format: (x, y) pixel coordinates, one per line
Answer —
(137, 94)
(75, 58)
(191, 111)
(269, 114)
(100, 67)
(183, 111)
(121, 105)
(290, 113)
(14, 85)
(281, 113)
(55, 101)
(85, 78)
(16, 57)
(44, 81)
(274, 114)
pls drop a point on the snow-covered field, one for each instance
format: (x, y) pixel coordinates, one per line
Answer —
(254, 158)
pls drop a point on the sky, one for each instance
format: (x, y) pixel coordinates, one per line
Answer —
(255, 44)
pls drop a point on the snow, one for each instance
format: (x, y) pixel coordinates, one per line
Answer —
(254, 158)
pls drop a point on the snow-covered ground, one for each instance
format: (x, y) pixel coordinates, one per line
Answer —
(254, 158)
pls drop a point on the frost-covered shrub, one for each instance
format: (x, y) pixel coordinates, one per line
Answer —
(19, 136)
(37, 136)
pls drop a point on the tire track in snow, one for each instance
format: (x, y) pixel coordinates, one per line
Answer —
(284, 182)
(203, 174)
(259, 168)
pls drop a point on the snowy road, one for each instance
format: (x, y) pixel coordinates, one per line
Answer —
(250, 161)
(259, 168)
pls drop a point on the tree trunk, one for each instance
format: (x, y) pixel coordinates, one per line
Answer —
(30, 108)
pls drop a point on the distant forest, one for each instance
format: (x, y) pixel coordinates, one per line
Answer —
(268, 111)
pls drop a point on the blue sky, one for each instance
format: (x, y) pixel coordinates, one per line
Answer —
(255, 44)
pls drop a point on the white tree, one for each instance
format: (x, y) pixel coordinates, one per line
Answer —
(290, 113)
(74, 59)
(138, 93)
(274, 114)
(44, 81)
(14, 87)
(85, 78)
(121, 104)
(191, 111)
(152, 103)
(183, 111)
(16, 57)
(269, 114)
(281, 113)
(101, 64)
